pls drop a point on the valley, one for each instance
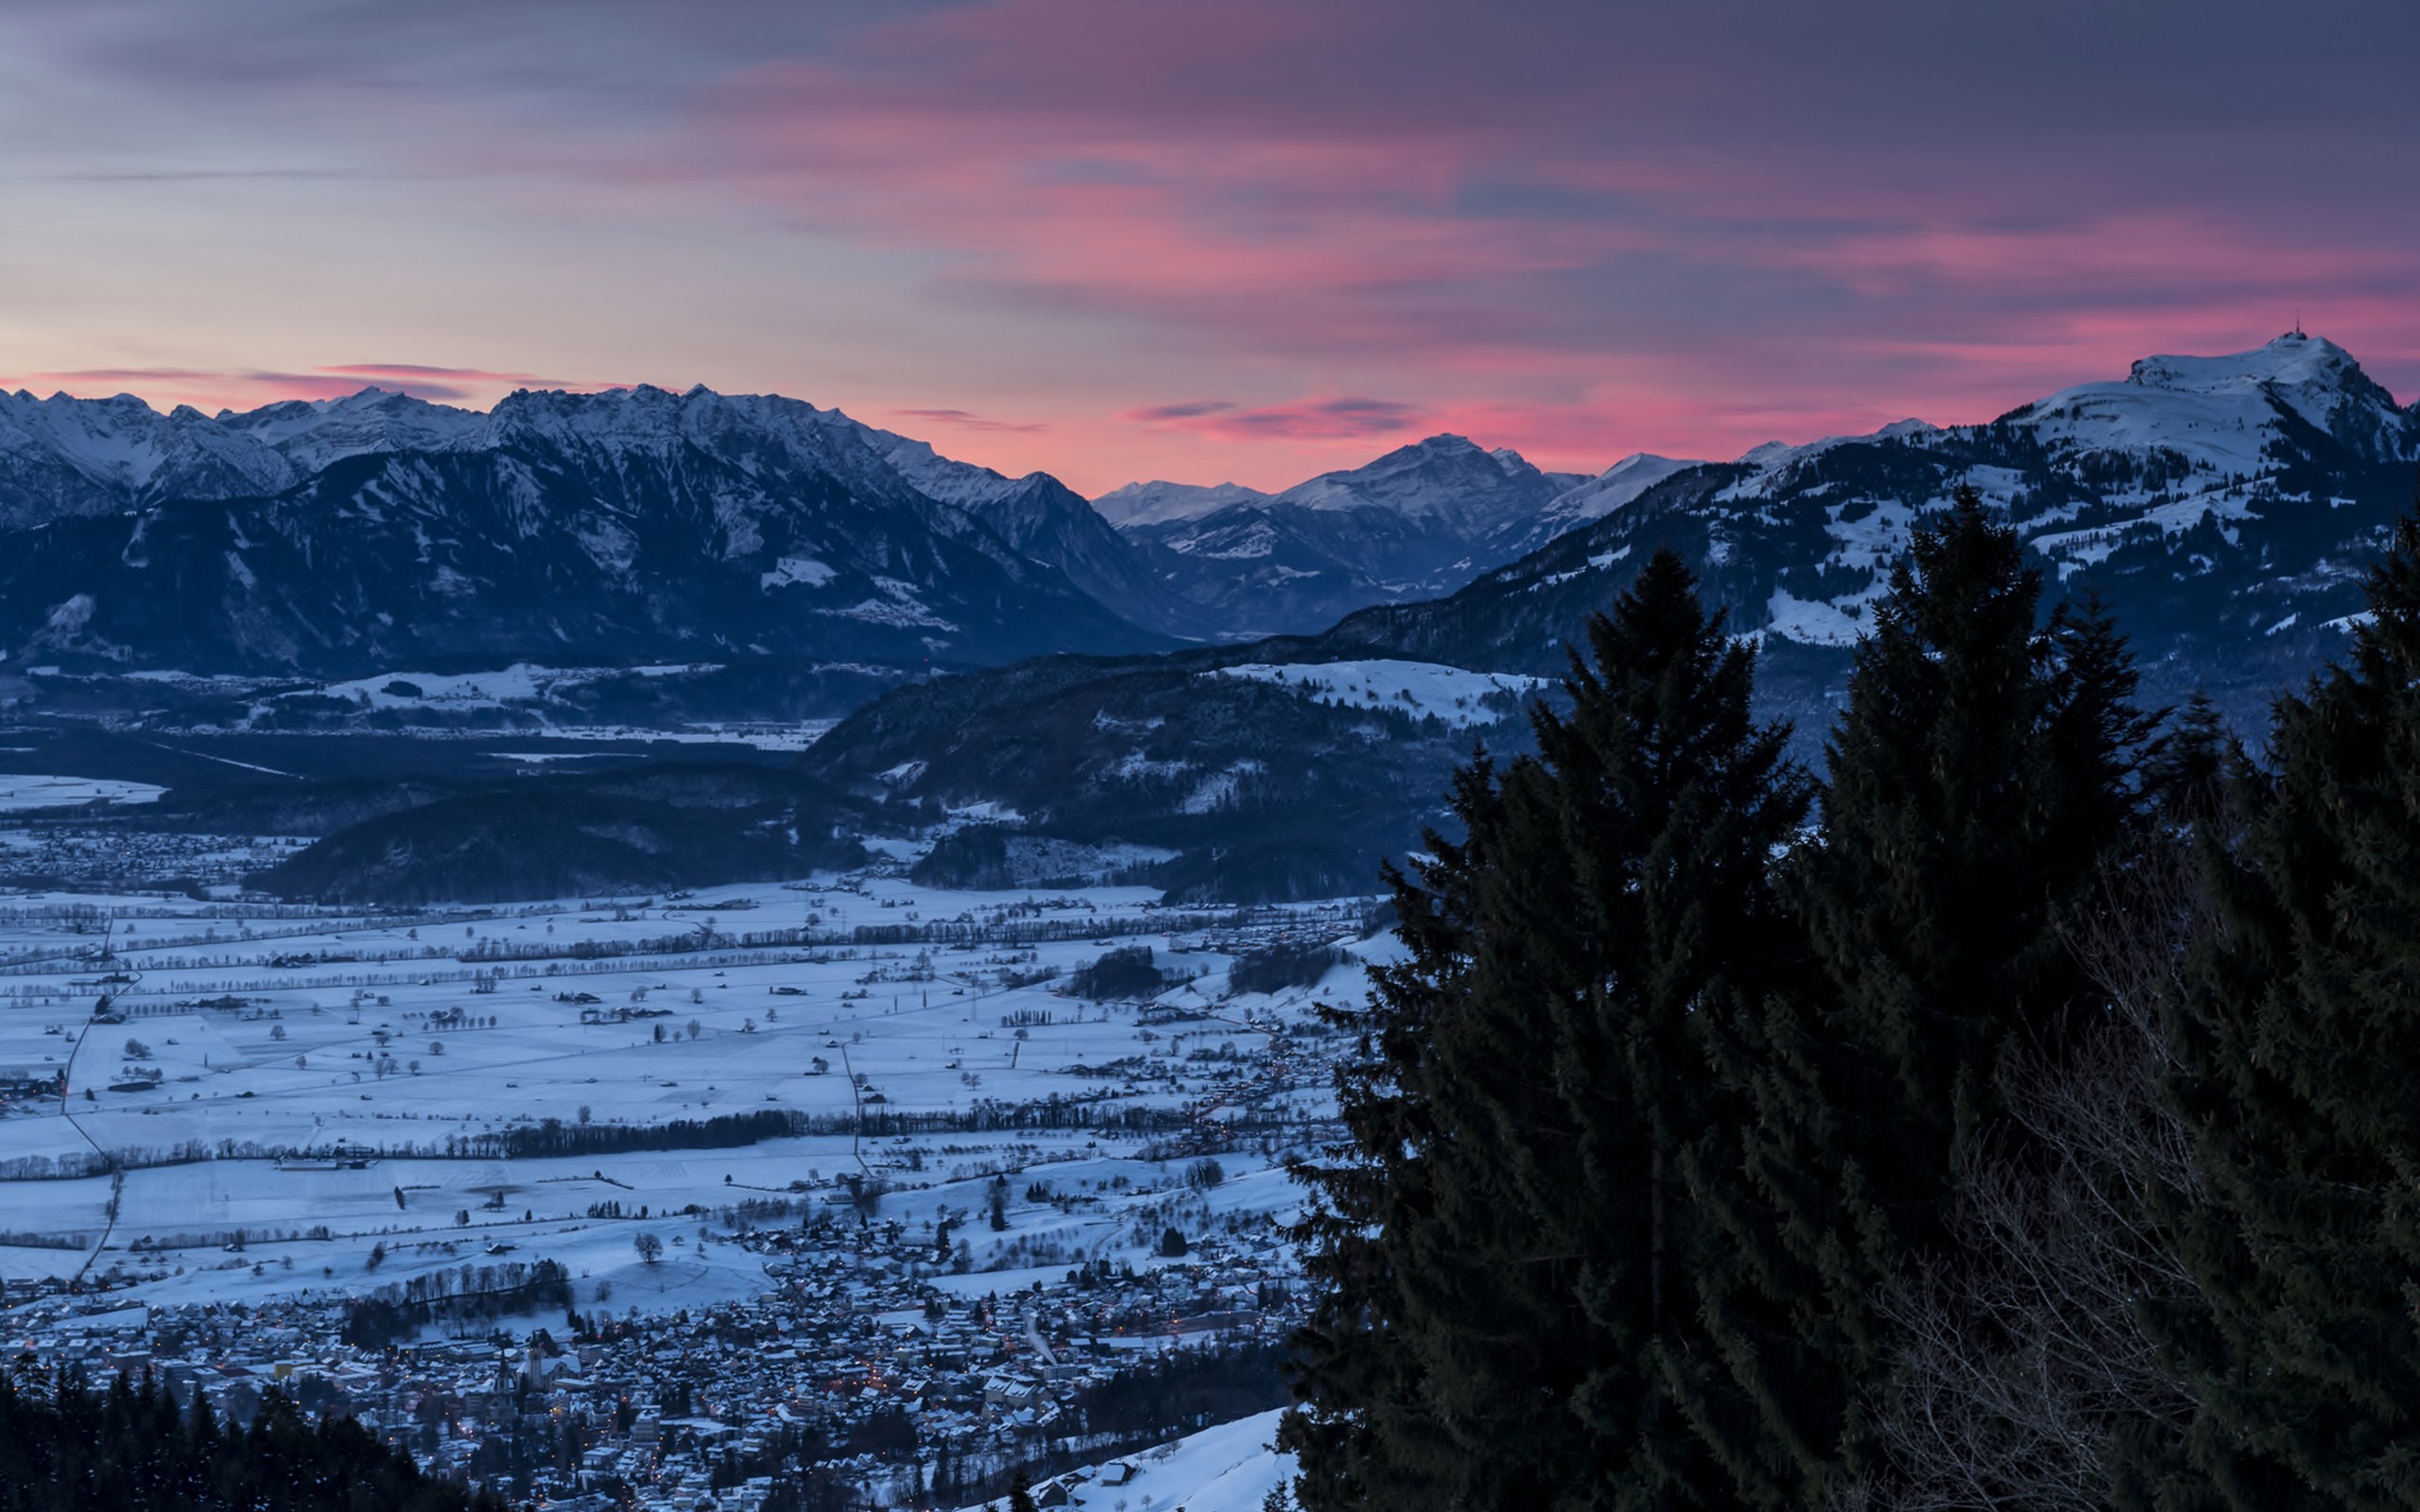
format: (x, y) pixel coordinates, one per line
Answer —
(648, 945)
(863, 1122)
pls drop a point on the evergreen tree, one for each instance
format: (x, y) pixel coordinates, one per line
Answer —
(1507, 1254)
(2295, 1030)
(65, 1447)
(1981, 773)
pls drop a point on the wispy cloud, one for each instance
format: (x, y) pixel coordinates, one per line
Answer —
(1342, 419)
(968, 421)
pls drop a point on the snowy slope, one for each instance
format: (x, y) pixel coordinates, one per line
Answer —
(1445, 478)
(313, 434)
(1420, 520)
(1424, 689)
(62, 455)
(2268, 435)
(1231, 1467)
(1159, 501)
(1601, 495)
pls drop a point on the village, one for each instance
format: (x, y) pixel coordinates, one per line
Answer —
(843, 1230)
(865, 1375)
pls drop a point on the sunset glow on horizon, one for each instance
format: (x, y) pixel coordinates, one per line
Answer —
(1250, 240)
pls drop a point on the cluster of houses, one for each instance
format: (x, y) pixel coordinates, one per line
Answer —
(852, 1371)
(62, 853)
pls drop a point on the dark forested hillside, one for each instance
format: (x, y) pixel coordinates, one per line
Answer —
(647, 830)
(1229, 786)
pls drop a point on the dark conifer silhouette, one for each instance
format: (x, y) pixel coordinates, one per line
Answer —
(1511, 1242)
(65, 1448)
(2296, 1033)
(1983, 768)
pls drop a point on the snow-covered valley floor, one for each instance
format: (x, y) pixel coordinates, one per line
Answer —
(212, 1104)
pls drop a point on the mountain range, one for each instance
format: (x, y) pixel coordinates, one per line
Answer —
(344, 537)
(625, 524)
(2224, 508)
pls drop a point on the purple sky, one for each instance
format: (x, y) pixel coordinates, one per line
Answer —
(1206, 239)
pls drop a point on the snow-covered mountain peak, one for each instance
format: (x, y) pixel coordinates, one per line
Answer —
(2292, 360)
(1438, 477)
(314, 432)
(69, 456)
(1160, 501)
(1610, 489)
(966, 485)
(2223, 414)
(1908, 429)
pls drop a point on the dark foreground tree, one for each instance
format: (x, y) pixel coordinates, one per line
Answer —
(2296, 1035)
(66, 1449)
(1507, 1245)
(1982, 772)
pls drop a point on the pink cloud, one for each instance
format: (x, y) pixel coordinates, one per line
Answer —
(1580, 231)
(1308, 420)
(968, 421)
(1503, 229)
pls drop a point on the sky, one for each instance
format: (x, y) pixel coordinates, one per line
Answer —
(1205, 239)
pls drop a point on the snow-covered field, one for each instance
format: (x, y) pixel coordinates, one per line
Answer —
(21, 793)
(310, 1085)
(312, 1114)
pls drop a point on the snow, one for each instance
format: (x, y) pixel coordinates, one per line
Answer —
(1231, 1467)
(1610, 489)
(1218, 790)
(1259, 539)
(1811, 621)
(520, 682)
(18, 793)
(312, 434)
(2305, 372)
(1445, 479)
(294, 1062)
(1598, 563)
(1423, 689)
(789, 570)
(899, 606)
(1772, 457)
(1161, 503)
(2187, 440)
(124, 443)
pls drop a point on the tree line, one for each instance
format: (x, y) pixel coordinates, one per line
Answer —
(66, 1447)
(2020, 1113)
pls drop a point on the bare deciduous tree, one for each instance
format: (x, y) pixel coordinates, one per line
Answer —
(2021, 1360)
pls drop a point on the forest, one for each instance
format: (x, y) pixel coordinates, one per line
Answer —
(66, 1447)
(2016, 1112)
